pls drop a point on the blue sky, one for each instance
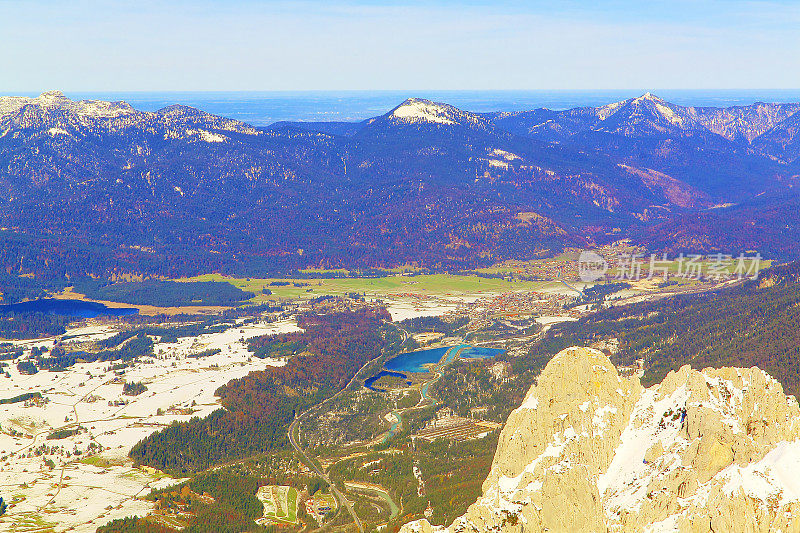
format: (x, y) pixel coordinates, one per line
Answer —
(345, 44)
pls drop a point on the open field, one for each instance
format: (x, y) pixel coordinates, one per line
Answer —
(422, 285)
(280, 504)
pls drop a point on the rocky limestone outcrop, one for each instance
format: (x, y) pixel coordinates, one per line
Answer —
(589, 450)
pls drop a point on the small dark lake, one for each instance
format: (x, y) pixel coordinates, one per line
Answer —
(368, 384)
(76, 308)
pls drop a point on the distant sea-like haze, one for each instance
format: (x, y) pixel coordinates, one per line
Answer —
(265, 108)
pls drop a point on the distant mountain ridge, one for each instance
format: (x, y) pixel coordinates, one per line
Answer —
(649, 114)
(181, 191)
(643, 115)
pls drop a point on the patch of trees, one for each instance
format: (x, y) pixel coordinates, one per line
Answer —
(117, 338)
(164, 293)
(424, 324)
(18, 288)
(316, 484)
(133, 524)
(597, 293)
(223, 520)
(63, 434)
(173, 333)
(15, 325)
(59, 359)
(133, 388)
(260, 406)
(9, 352)
(279, 347)
(204, 353)
(140, 345)
(27, 367)
(21, 398)
(234, 508)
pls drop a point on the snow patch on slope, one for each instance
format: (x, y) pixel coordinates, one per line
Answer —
(417, 110)
(776, 476)
(624, 484)
(207, 136)
(57, 100)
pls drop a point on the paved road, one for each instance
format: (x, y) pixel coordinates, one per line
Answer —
(343, 501)
(294, 429)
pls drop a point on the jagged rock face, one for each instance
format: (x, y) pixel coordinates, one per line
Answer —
(589, 450)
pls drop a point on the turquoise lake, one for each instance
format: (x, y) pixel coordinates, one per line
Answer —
(414, 361)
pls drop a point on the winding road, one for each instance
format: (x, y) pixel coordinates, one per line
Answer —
(294, 438)
(340, 498)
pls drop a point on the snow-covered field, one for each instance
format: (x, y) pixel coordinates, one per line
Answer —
(407, 307)
(403, 308)
(82, 481)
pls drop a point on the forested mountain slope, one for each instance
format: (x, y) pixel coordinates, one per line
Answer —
(101, 188)
(752, 324)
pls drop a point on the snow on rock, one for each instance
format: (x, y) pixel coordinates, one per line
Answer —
(57, 100)
(55, 114)
(420, 111)
(590, 450)
(207, 136)
(773, 477)
(417, 110)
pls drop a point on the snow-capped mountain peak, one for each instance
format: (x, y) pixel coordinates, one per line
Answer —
(645, 114)
(419, 110)
(648, 96)
(50, 101)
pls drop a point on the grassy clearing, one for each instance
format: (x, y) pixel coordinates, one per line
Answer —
(280, 503)
(291, 499)
(429, 284)
(439, 284)
(102, 462)
(27, 523)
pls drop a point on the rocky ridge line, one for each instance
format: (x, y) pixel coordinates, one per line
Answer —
(590, 450)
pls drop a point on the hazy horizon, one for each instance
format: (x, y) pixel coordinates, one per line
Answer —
(380, 44)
